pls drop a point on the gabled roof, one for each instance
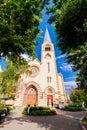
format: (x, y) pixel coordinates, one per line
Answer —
(35, 61)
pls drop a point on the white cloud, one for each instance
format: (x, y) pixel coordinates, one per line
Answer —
(26, 57)
(61, 56)
(66, 67)
(0, 68)
(68, 78)
(70, 83)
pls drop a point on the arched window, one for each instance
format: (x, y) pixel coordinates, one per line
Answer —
(48, 56)
(48, 67)
(31, 91)
(47, 49)
(48, 79)
(50, 90)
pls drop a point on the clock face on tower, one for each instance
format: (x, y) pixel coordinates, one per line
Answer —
(34, 71)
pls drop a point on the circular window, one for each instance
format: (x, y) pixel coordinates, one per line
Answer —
(34, 70)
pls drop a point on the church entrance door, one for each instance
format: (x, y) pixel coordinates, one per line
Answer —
(50, 100)
(30, 96)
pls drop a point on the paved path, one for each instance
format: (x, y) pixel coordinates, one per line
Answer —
(61, 121)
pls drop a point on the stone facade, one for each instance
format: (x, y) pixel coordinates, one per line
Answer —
(44, 86)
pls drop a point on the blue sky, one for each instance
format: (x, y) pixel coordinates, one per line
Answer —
(62, 66)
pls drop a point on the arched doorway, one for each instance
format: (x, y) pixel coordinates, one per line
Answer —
(50, 96)
(30, 96)
(50, 100)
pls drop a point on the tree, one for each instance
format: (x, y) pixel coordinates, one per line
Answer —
(10, 77)
(19, 21)
(78, 97)
(70, 22)
(78, 58)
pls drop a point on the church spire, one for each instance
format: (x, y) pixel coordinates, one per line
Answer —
(47, 36)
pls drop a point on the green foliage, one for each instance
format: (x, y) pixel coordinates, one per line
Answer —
(25, 111)
(19, 21)
(10, 76)
(10, 109)
(1, 105)
(43, 112)
(84, 121)
(71, 24)
(78, 97)
(38, 110)
(70, 20)
(73, 108)
(78, 58)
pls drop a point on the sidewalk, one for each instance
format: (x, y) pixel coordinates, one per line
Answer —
(62, 121)
(17, 121)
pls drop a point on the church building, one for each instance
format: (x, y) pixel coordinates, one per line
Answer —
(44, 86)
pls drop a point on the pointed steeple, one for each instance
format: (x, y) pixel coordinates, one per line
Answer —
(47, 36)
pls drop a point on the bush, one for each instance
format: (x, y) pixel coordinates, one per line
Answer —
(10, 109)
(84, 121)
(1, 105)
(34, 108)
(39, 111)
(25, 111)
(73, 108)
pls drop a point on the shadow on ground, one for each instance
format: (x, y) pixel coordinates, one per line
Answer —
(56, 122)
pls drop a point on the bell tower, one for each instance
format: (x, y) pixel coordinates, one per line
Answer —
(47, 48)
(48, 63)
